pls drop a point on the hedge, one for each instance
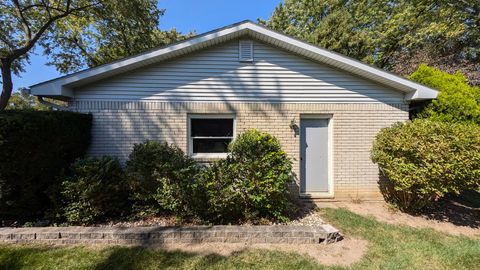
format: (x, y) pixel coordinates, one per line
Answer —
(423, 160)
(35, 147)
(161, 178)
(95, 191)
(251, 184)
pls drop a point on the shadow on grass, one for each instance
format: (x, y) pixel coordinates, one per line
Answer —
(143, 258)
(14, 257)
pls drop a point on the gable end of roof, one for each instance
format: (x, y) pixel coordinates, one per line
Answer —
(62, 86)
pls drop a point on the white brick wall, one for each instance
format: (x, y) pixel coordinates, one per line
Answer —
(119, 125)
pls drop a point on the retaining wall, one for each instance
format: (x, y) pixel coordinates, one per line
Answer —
(275, 234)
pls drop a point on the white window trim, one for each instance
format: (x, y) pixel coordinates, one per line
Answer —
(208, 116)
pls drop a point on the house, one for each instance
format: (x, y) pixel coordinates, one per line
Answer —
(200, 93)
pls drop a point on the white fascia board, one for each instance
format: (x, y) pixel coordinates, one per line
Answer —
(53, 88)
(422, 94)
(62, 85)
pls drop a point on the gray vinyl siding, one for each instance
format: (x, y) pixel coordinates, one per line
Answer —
(216, 75)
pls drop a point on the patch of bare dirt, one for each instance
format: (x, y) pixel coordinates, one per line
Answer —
(343, 253)
(448, 216)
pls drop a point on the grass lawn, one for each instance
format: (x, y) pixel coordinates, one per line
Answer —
(390, 247)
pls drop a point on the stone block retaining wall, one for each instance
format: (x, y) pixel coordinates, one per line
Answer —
(280, 234)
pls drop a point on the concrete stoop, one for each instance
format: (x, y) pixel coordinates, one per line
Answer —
(275, 234)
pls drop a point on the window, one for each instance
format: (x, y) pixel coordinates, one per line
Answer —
(210, 134)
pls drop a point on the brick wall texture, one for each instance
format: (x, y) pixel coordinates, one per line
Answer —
(119, 125)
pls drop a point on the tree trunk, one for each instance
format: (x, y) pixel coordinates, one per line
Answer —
(7, 85)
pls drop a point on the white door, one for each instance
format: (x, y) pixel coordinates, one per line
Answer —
(314, 156)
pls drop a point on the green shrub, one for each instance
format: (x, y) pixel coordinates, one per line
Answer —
(35, 147)
(424, 159)
(456, 101)
(95, 192)
(251, 183)
(161, 179)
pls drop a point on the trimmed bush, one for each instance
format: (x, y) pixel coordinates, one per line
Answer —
(251, 183)
(95, 192)
(424, 159)
(35, 147)
(161, 179)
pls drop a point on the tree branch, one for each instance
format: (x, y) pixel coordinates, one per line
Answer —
(26, 8)
(76, 42)
(29, 45)
(25, 24)
(125, 39)
(47, 8)
(6, 41)
(30, 40)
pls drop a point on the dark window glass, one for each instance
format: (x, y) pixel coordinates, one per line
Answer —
(212, 128)
(210, 145)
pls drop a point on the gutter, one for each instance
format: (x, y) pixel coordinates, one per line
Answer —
(46, 103)
(52, 105)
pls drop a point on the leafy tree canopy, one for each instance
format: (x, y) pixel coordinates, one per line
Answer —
(76, 33)
(108, 32)
(392, 34)
(457, 100)
(21, 100)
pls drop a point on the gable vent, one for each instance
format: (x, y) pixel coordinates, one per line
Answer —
(245, 51)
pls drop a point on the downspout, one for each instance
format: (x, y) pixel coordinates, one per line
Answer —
(52, 105)
(46, 103)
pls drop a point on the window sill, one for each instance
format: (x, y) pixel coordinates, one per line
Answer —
(208, 157)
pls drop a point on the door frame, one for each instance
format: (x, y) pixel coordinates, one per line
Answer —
(330, 193)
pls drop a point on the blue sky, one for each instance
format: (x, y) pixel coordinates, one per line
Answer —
(184, 15)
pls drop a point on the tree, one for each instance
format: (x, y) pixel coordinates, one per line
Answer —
(23, 24)
(409, 63)
(328, 23)
(389, 33)
(109, 31)
(457, 100)
(75, 33)
(22, 100)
